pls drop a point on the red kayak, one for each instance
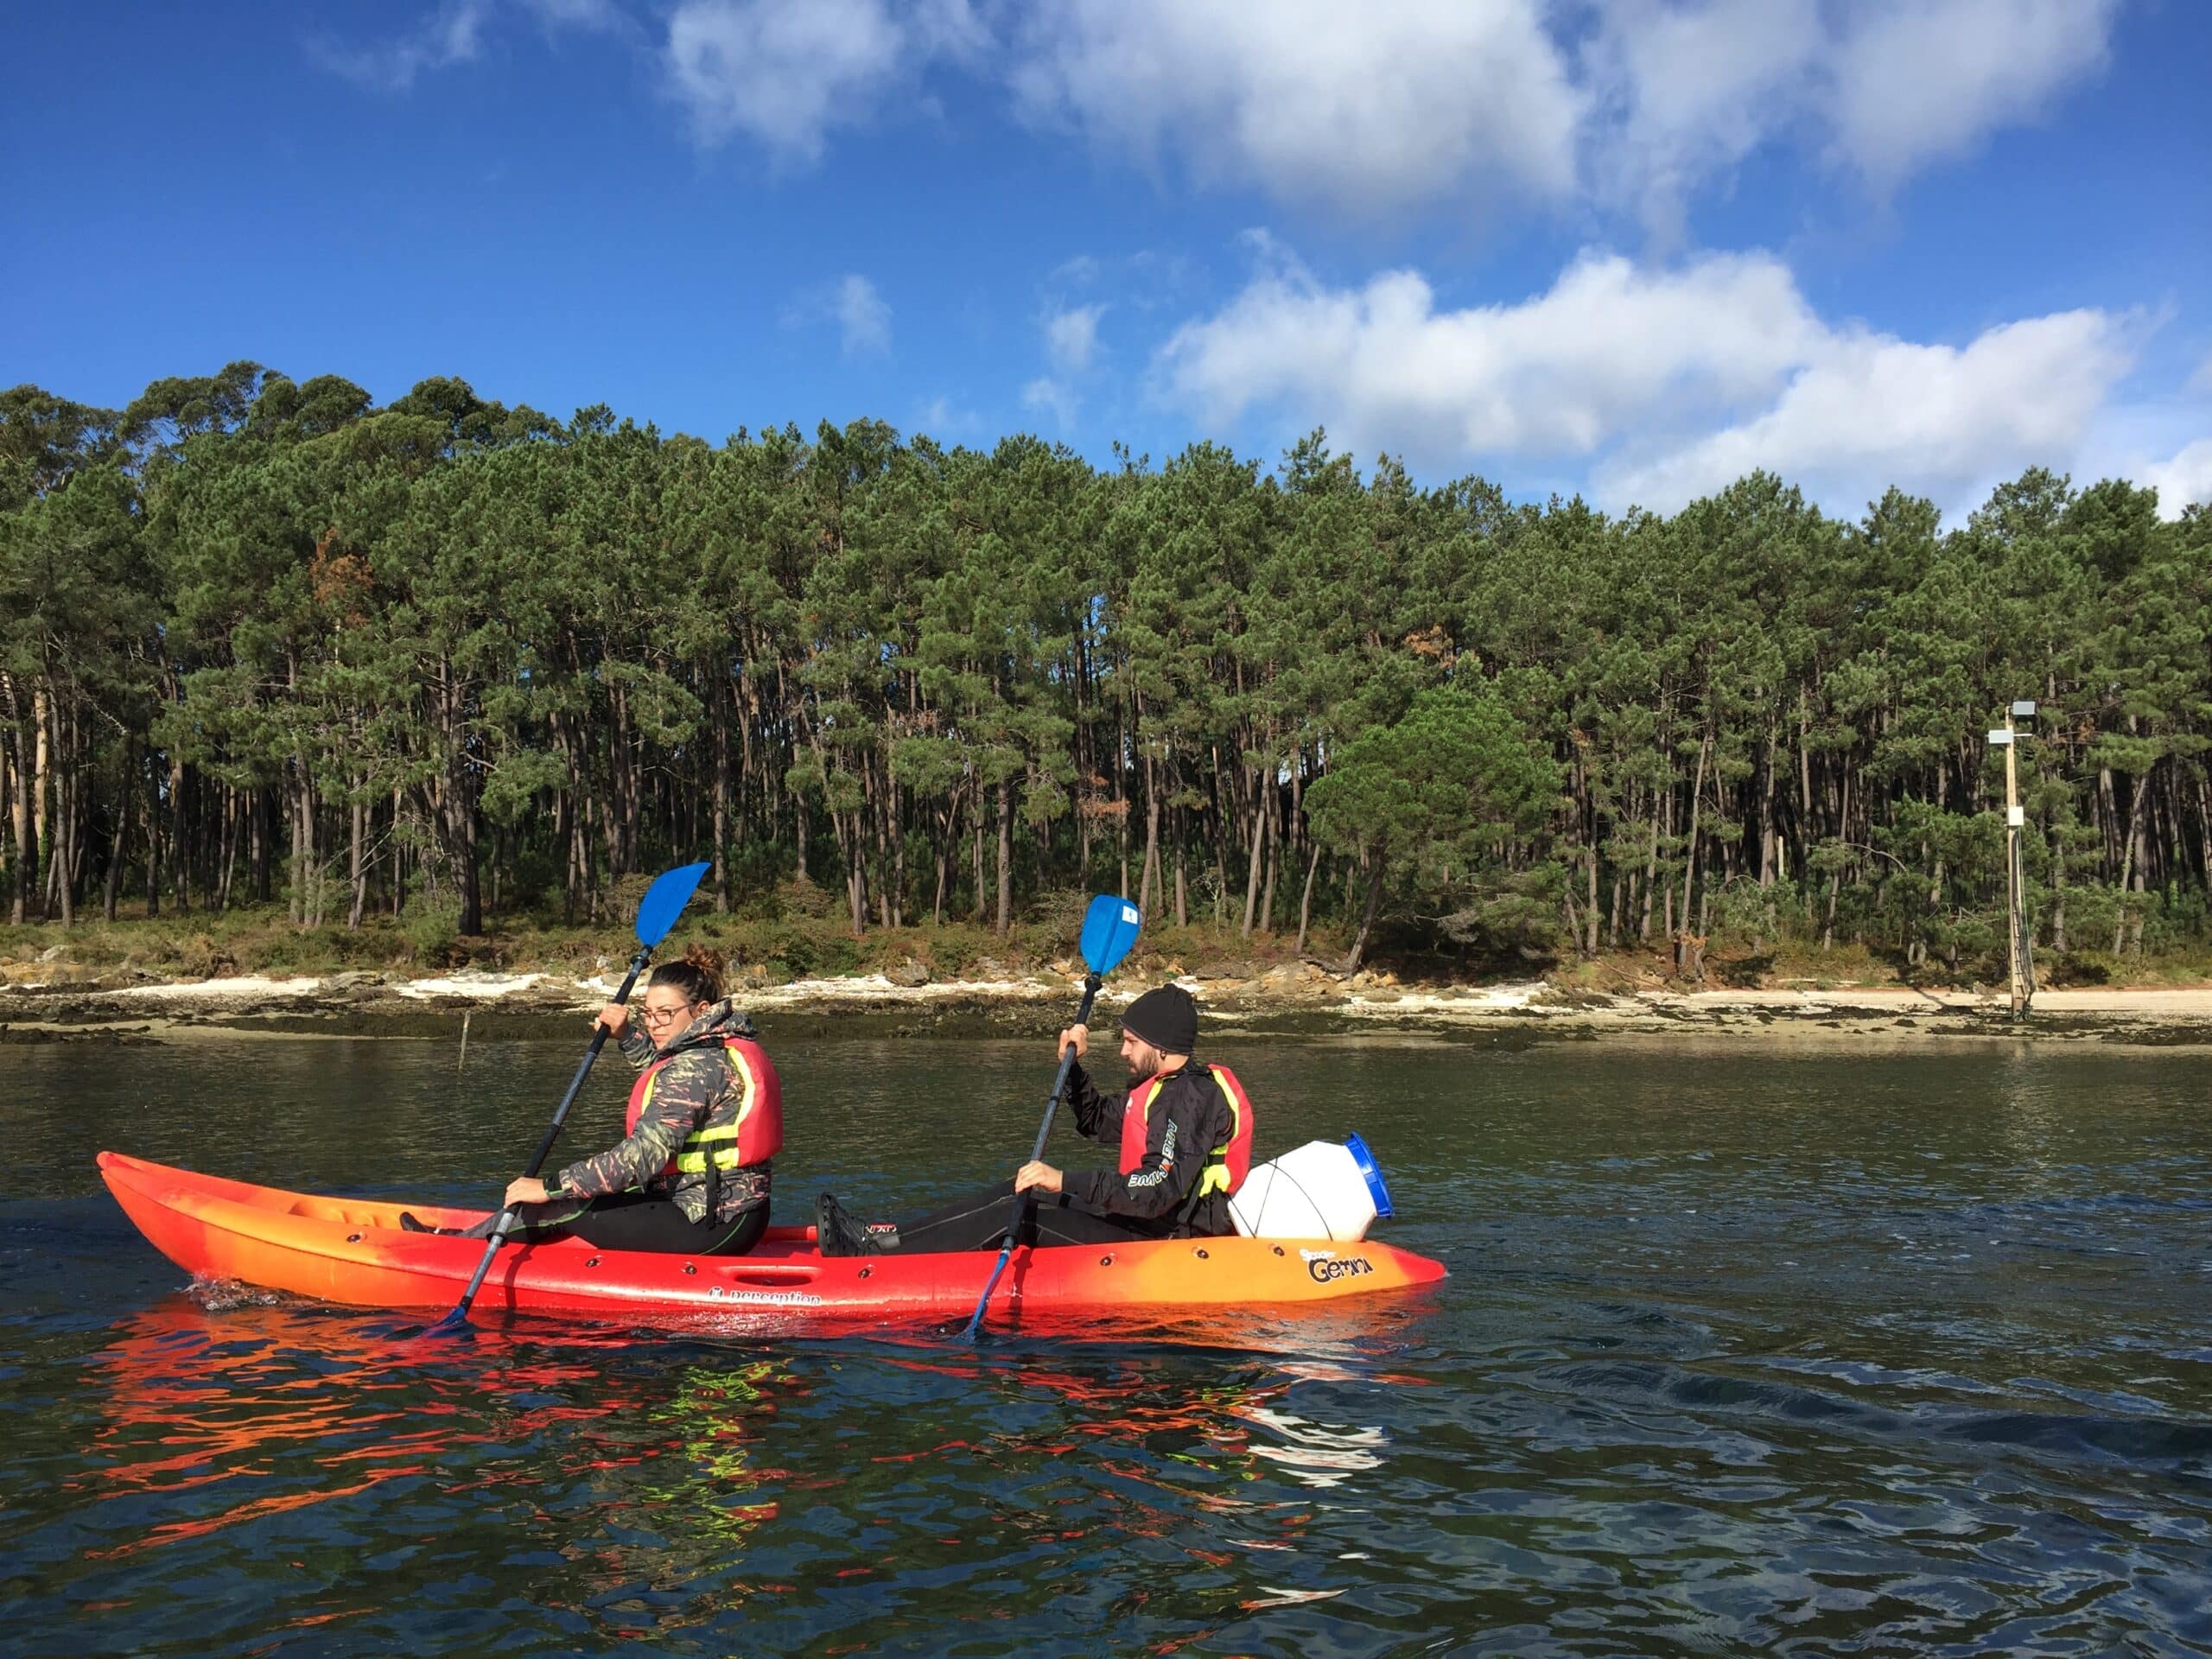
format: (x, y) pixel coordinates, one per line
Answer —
(354, 1251)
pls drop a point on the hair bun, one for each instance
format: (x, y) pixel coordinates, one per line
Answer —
(713, 967)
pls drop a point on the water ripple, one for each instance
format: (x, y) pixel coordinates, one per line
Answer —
(1868, 1355)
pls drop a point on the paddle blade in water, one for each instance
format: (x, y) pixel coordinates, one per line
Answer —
(665, 900)
(1109, 928)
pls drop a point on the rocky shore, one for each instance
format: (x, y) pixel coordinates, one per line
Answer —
(1301, 998)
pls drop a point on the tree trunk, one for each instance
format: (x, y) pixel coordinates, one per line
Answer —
(1589, 922)
(63, 858)
(2131, 841)
(122, 805)
(1147, 888)
(1006, 859)
(179, 842)
(1182, 877)
(1252, 865)
(41, 772)
(258, 838)
(1689, 849)
(1274, 864)
(1650, 875)
(982, 893)
(1766, 808)
(19, 812)
(360, 861)
(722, 807)
(1359, 953)
(1306, 900)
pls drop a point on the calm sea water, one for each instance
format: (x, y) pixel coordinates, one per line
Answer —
(1747, 1347)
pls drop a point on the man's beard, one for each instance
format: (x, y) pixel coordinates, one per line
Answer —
(1143, 1070)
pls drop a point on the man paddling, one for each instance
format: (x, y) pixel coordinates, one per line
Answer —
(1185, 1133)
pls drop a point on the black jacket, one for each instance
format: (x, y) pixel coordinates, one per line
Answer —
(1187, 1121)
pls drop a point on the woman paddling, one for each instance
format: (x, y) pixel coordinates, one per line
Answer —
(706, 1118)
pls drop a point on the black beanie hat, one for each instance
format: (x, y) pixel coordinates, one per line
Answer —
(1167, 1018)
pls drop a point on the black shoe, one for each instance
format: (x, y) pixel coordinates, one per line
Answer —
(834, 1235)
(837, 1233)
(409, 1224)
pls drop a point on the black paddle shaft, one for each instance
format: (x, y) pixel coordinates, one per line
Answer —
(552, 1133)
(1060, 1082)
(1023, 1200)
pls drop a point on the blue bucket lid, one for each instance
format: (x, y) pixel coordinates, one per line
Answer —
(1368, 1172)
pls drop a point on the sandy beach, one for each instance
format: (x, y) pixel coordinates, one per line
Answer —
(1298, 998)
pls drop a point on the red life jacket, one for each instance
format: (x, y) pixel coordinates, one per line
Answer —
(752, 1134)
(1227, 1164)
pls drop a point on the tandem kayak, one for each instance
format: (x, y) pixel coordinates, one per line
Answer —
(353, 1251)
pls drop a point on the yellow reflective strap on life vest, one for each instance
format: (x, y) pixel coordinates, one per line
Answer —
(1214, 1178)
(691, 1157)
(692, 1162)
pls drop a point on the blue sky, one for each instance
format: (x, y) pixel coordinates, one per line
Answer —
(1631, 248)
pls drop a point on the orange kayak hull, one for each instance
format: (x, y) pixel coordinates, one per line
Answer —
(354, 1252)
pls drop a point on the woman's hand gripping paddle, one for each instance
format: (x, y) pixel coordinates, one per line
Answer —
(1109, 928)
(657, 912)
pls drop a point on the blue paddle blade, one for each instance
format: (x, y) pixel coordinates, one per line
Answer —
(1109, 928)
(665, 900)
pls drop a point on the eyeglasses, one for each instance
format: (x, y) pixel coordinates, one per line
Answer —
(653, 1016)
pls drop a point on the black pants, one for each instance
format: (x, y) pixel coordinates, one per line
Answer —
(978, 1221)
(631, 1221)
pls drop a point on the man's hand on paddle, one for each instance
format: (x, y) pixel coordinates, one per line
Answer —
(1043, 1177)
(1079, 1035)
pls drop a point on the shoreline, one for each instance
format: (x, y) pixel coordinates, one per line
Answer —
(1292, 1001)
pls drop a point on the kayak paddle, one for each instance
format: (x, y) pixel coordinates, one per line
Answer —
(657, 912)
(1109, 928)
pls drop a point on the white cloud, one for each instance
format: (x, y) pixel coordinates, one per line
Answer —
(1564, 372)
(579, 14)
(1045, 393)
(1405, 101)
(1868, 410)
(1072, 337)
(2183, 481)
(1631, 104)
(786, 74)
(1912, 81)
(452, 34)
(1685, 91)
(1363, 107)
(863, 318)
(943, 419)
(1664, 383)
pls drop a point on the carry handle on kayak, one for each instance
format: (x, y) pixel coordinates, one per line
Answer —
(1109, 928)
(657, 912)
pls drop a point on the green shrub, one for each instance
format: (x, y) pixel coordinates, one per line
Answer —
(431, 928)
(800, 897)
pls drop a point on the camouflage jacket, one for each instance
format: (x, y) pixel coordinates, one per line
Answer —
(695, 1083)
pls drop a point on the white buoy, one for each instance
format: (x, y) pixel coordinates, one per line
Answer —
(1322, 1190)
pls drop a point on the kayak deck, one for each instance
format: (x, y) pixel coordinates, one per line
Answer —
(354, 1251)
